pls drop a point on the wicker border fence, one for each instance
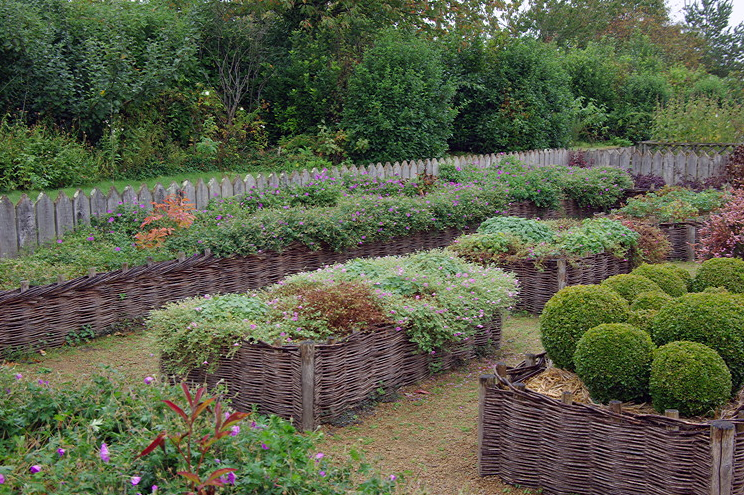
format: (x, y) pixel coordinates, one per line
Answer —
(538, 282)
(314, 382)
(564, 448)
(44, 316)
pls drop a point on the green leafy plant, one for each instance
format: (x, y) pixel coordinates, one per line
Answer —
(614, 361)
(720, 272)
(571, 312)
(629, 286)
(673, 204)
(666, 276)
(196, 450)
(689, 377)
(81, 336)
(711, 319)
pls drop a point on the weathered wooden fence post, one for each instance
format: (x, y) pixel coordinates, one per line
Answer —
(485, 382)
(307, 372)
(722, 438)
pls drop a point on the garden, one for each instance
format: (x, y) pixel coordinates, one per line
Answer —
(388, 257)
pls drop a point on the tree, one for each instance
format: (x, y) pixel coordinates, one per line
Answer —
(709, 19)
(399, 104)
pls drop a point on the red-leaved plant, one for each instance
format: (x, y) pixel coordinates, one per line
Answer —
(722, 235)
(194, 453)
(175, 212)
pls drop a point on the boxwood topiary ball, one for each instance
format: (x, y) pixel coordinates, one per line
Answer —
(571, 312)
(665, 277)
(690, 377)
(715, 320)
(720, 272)
(629, 286)
(614, 361)
(650, 300)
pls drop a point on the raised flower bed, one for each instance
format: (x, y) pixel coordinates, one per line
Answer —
(548, 256)
(319, 344)
(678, 212)
(322, 382)
(563, 448)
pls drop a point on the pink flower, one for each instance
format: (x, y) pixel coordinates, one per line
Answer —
(61, 452)
(2, 479)
(104, 453)
(264, 446)
(35, 468)
(18, 376)
(319, 455)
(148, 380)
(234, 431)
(135, 480)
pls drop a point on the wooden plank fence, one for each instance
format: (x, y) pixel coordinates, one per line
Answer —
(28, 223)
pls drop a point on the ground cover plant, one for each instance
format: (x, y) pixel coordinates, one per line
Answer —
(674, 204)
(502, 240)
(110, 437)
(434, 297)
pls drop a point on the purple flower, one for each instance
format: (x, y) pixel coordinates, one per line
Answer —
(135, 480)
(393, 477)
(234, 431)
(110, 220)
(91, 238)
(117, 249)
(319, 455)
(59, 241)
(61, 452)
(231, 478)
(322, 473)
(2, 479)
(104, 453)
(18, 376)
(264, 446)
(148, 380)
(35, 468)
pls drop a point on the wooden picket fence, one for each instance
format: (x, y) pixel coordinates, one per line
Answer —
(29, 223)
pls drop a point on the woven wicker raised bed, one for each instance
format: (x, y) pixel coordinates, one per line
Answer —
(683, 236)
(43, 316)
(316, 383)
(568, 208)
(529, 439)
(539, 282)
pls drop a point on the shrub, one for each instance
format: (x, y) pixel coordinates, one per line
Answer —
(642, 318)
(689, 377)
(629, 286)
(665, 276)
(652, 300)
(720, 272)
(571, 312)
(526, 229)
(722, 234)
(698, 118)
(597, 187)
(614, 361)
(673, 204)
(653, 245)
(715, 320)
(399, 102)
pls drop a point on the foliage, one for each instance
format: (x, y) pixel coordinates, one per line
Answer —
(665, 276)
(399, 102)
(527, 230)
(514, 95)
(720, 272)
(689, 377)
(735, 167)
(194, 465)
(571, 312)
(596, 187)
(506, 239)
(175, 212)
(699, 119)
(709, 19)
(434, 297)
(648, 181)
(42, 157)
(652, 300)
(722, 234)
(614, 362)
(715, 320)
(86, 440)
(629, 286)
(653, 245)
(673, 204)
